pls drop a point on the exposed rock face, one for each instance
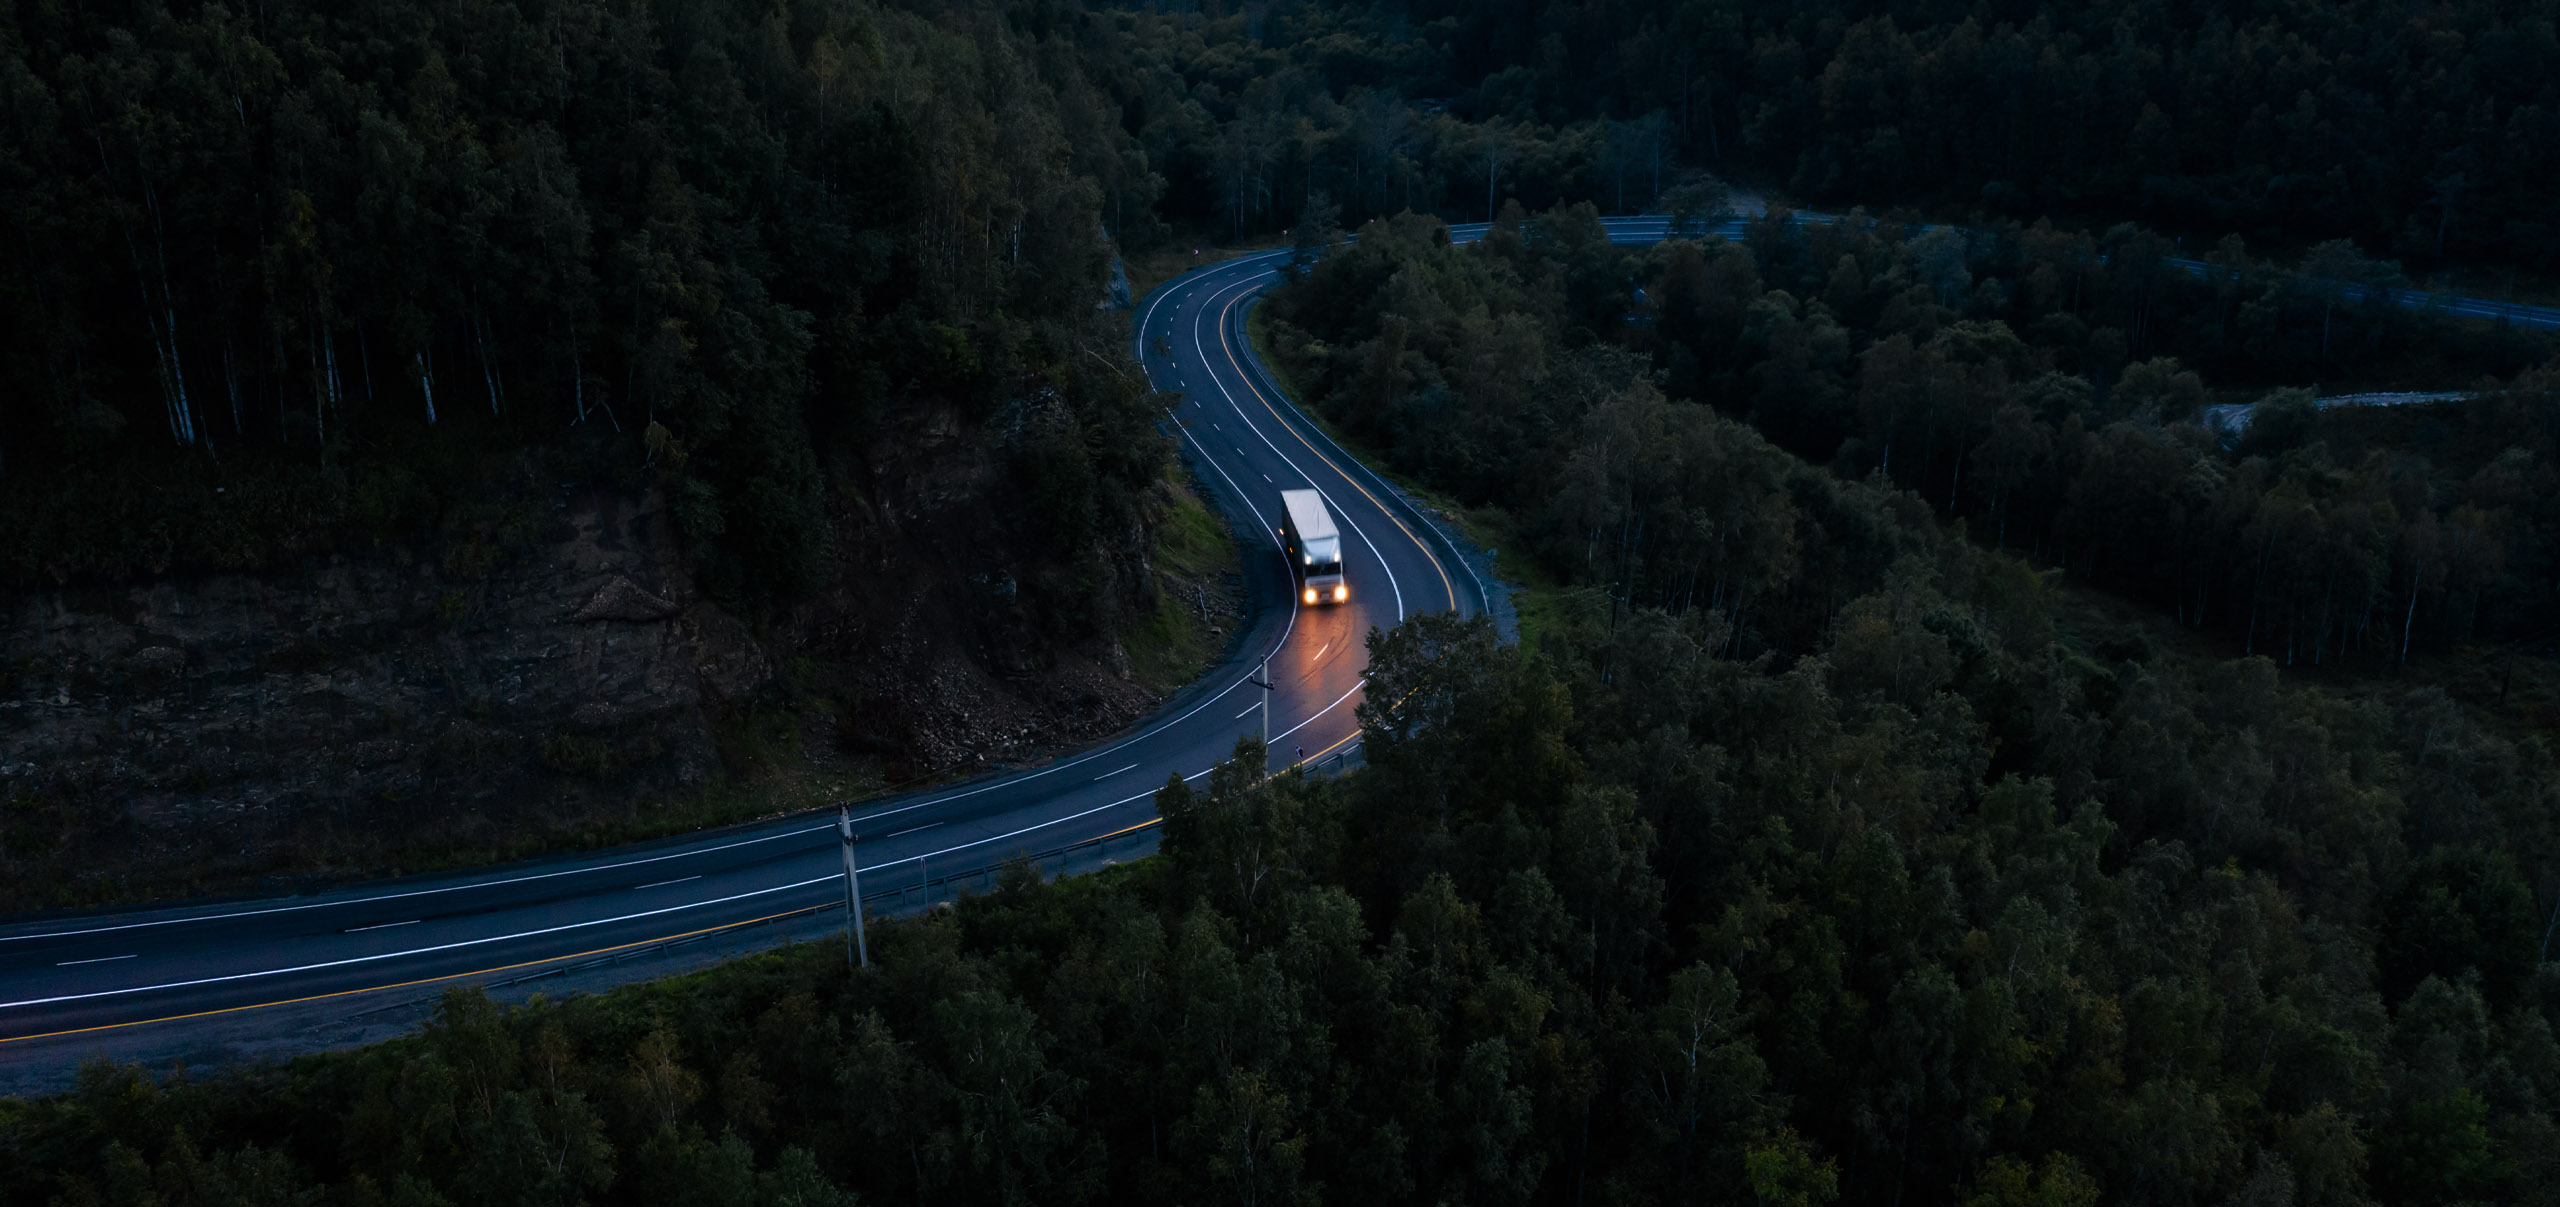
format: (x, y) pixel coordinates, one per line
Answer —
(236, 724)
(539, 669)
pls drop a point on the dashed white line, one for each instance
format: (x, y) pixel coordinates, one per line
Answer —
(426, 892)
(1108, 774)
(485, 941)
(382, 926)
(758, 893)
(1322, 648)
(665, 883)
(99, 960)
(1248, 711)
(926, 826)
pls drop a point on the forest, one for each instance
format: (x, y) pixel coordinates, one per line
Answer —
(1834, 837)
(1950, 891)
(2053, 392)
(297, 277)
(294, 277)
(2423, 132)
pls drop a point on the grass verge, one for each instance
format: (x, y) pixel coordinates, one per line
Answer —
(1194, 562)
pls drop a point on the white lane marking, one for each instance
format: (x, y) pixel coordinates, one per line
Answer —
(664, 883)
(1322, 648)
(829, 878)
(1267, 478)
(99, 960)
(1037, 825)
(912, 829)
(710, 850)
(424, 892)
(1108, 774)
(1438, 566)
(380, 926)
(1311, 717)
(1241, 263)
(1392, 585)
(1258, 518)
(1248, 710)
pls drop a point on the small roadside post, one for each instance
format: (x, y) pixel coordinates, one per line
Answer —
(1262, 679)
(857, 948)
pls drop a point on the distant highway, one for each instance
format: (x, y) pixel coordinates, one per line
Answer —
(1654, 228)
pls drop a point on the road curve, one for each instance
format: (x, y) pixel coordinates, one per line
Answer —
(106, 978)
(125, 980)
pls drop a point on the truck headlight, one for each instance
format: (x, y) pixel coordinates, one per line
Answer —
(1311, 595)
(1340, 592)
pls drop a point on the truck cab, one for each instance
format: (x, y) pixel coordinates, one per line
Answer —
(1314, 547)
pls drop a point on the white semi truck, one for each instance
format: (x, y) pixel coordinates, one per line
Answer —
(1314, 547)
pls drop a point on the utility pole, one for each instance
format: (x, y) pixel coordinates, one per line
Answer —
(1262, 680)
(856, 946)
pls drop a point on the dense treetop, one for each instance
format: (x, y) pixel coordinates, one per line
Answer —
(2423, 131)
(337, 254)
(1952, 891)
(2034, 382)
(1827, 843)
(294, 275)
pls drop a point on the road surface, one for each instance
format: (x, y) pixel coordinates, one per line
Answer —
(131, 983)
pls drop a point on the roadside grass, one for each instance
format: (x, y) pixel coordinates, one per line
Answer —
(1186, 631)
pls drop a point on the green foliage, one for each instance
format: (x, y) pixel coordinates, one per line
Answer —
(1959, 898)
(1514, 372)
(1178, 634)
(2462, 914)
(1815, 854)
(2124, 110)
(306, 282)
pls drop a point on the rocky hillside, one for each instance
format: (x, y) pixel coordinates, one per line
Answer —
(543, 672)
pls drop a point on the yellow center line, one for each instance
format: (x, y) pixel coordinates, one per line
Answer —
(1226, 344)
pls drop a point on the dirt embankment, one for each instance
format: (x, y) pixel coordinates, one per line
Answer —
(542, 673)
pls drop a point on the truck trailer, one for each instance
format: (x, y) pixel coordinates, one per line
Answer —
(1314, 547)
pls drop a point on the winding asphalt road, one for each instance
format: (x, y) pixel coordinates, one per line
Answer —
(102, 982)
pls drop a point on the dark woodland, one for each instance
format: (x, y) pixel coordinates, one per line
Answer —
(1984, 733)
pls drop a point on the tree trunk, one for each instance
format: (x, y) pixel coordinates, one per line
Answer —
(426, 385)
(2409, 620)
